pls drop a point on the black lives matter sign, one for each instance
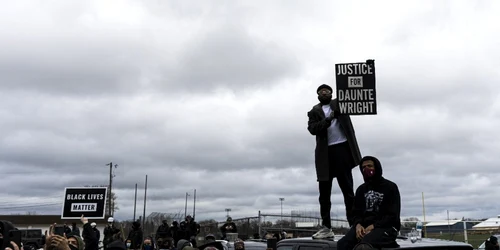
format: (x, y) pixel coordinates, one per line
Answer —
(87, 201)
(356, 88)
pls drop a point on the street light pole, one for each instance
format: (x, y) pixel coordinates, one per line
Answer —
(227, 211)
(281, 224)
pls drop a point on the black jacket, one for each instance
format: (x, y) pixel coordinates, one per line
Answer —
(135, 236)
(89, 237)
(377, 201)
(318, 126)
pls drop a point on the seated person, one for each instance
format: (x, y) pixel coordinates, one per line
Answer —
(377, 206)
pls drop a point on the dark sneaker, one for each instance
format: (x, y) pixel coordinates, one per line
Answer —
(324, 233)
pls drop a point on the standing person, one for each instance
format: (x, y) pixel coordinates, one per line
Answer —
(192, 229)
(89, 237)
(336, 154)
(135, 236)
(109, 231)
(96, 231)
(75, 230)
(163, 230)
(228, 227)
(377, 209)
(174, 231)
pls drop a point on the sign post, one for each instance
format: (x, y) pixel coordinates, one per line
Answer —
(356, 92)
(89, 201)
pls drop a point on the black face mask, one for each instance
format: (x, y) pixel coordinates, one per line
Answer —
(325, 100)
(73, 247)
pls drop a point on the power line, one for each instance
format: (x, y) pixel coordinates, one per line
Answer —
(32, 206)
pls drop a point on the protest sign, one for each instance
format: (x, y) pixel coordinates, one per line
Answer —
(87, 201)
(356, 92)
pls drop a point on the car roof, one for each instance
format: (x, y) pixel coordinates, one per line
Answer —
(403, 242)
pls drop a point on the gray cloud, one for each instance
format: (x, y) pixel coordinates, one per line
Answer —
(214, 98)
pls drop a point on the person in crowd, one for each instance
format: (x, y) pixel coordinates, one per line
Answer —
(184, 244)
(284, 234)
(209, 238)
(109, 231)
(165, 243)
(67, 229)
(136, 235)
(75, 230)
(376, 210)
(148, 244)
(89, 237)
(228, 227)
(192, 229)
(75, 242)
(239, 244)
(163, 230)
(491, 243)
(336, 154)
(174, 231)
(96, 231)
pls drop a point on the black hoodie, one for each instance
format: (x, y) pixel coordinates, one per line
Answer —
(377, 201)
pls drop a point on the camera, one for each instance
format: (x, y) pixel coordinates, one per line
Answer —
(9, 233)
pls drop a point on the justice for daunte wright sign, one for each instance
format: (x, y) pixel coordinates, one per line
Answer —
(87, 201)
(356, 88)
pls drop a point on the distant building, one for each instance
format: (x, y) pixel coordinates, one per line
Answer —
(446, 226)
(491, 224)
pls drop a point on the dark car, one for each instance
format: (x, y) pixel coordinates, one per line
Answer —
(31, 238)
(403, 242)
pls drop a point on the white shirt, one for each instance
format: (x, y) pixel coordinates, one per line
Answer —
(335, 134)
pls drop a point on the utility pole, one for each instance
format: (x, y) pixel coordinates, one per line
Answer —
(186, 205)
(227, 211)
(281, 224)
(135, 200)
(194, 204)
(110, 200)
(145, 194)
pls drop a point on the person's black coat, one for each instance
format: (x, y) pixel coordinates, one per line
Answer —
(97, 233)
(317, 125)
(135, 236)
(89, 237)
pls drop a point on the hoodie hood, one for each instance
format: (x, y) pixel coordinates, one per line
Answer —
(136, 225)
(182, 243)
(376, 163)
(80, 241)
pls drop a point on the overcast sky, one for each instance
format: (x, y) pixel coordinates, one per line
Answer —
(213, 96)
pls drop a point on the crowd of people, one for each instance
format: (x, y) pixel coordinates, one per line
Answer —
(176, 236)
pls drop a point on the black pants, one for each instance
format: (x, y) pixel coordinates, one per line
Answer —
(340, 161)
(378, 238)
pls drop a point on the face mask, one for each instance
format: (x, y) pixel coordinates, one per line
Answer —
(147, 247)
(128, 245)
(368, 173)
(73, 247)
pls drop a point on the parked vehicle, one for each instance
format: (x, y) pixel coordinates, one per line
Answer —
(403, 242)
